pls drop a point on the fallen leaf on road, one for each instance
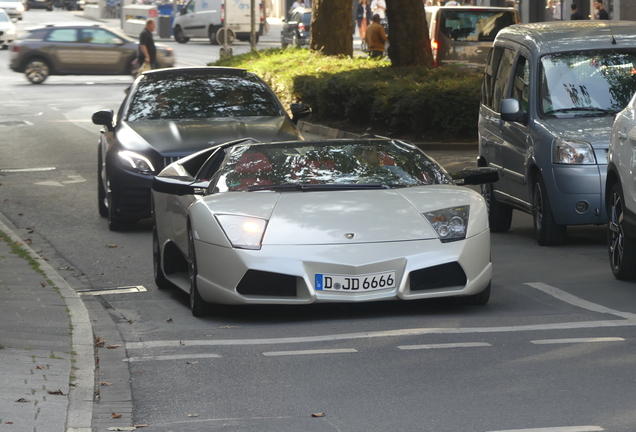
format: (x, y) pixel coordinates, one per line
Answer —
(8, 422)
(56, 392)
(23, 400)
(104, 383)
(193, 415)
(192, 362)
(115, 415)
(141, 425)
(318, 415)
(67, 268)
(20, 214)
(169, 320)
(130, 321)
(41, 367)
(43, 284)
(122, 428)
(18, 243)
(113, 346)
(111, 246)
(181, 343)
(29, 242)
(226, 327)
(99, 342)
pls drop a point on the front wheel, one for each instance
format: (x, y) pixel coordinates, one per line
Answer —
(101, 192)
(36, 71)
(547, 231)
(115, 223)
(212, 35)
(179, 36)
(160, 277)
(621, 247)
(479, 299)
(499, 215)
(198, 306)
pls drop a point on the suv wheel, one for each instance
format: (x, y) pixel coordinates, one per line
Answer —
(36, 71)
(499, 215)
(547, 232)
(212, 35)
(621, 248)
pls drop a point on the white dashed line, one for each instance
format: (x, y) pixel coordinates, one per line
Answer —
(557, 429)
(447, 345)
(309, 352)
(576, 340)
(171, 357)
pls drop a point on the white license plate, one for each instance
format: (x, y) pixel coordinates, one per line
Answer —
(358, 283)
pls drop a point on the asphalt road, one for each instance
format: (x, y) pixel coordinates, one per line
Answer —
(553, 351)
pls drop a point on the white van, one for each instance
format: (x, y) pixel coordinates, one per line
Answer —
(204, 19)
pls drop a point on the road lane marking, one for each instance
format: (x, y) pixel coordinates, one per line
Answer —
(577, 301)
(447, 345)
(629, 321)
(171, 357)
(309, 352)
(576, 340)
(557, 429)
(116, 290)
(17, 170)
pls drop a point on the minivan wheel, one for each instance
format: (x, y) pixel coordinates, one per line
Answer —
(212, 35)
(621, 248)
(179, 37)
(499, 215)
(36, 71)
(547, 231)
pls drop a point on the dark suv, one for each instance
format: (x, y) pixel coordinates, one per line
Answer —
(78, 50)
(296, 29)
(39, 4)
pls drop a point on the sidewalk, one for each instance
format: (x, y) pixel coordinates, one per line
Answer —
(46, 346)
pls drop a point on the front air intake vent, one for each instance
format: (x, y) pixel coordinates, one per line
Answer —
(261, 283)
(441, 276)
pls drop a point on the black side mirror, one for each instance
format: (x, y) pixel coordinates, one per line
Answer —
(183, 11)
(299, 111)
(475, 176)
(104, 118)
(179, 186)
(511, 111)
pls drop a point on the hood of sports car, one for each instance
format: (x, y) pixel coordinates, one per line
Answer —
(345, 217)
(186, 136)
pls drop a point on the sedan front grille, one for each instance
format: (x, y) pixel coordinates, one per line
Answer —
(436, 277)
(168, 160)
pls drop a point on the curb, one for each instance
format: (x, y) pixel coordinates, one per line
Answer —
(80, 397)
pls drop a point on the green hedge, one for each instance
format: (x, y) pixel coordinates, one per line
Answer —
(414, 102)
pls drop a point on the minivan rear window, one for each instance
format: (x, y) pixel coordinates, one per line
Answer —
(474, 25)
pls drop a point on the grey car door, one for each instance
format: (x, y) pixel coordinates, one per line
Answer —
(64, 50)
(105, 52)
(517, 135)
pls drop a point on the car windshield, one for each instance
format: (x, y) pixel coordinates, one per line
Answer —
(474, 25)
(590, 83)
(3, 17)
(201, 96)
(334, 165)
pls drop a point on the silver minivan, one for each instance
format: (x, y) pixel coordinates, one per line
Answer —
(464, 34)
(549, 95)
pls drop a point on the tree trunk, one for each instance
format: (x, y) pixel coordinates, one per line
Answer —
(332, 27)
(409, 42)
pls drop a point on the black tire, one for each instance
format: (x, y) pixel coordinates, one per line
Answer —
(295, 43)
(547, 231)
(499, 215)
(179, 37)
(479, 299)
(37, 70)
(160, 277)
(115, 223)
(621, 247)
(198, 306)
(283, 44)
(101, 192)
(212, 35)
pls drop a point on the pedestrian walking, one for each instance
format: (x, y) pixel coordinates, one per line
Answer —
(378, 7)
(147, 54)
(576, 14)
(376, 38)
(601, 13)
(362, 18)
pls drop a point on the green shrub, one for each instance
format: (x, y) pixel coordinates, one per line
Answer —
(427, 104)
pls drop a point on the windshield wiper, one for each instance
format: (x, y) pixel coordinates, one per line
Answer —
(586, 109)
(317, 187)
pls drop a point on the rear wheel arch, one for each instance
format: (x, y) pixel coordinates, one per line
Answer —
(40, 57)
(611, 179)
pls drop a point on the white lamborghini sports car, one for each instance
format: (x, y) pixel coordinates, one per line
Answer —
(327, 221)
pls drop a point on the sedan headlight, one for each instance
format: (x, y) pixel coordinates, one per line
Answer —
(565, 151)
(135, 162)
(450, 224)
(243, 232)
(11, 32)
(20, 8)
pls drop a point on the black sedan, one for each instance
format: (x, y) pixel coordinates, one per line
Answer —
(296, 29)
(172, 113)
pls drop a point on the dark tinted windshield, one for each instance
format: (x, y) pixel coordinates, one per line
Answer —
(389, 164)
(202, 96)
(474, 25)
(589, 83)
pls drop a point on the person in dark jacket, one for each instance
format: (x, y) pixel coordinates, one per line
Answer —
(601, 13)
(147, 50)
(576, 14)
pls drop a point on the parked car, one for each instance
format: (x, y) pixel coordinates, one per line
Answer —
(40, 4)
(8, 31)
(324, 221)
(296, 29)
(13, 8)
(549, 95)
(76, 49)
(463, 34)
(172, 113)
(620, 194)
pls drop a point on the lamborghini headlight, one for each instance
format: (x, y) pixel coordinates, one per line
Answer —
(450, 224)
(566, 151)
(135, 162)
(243, 232)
